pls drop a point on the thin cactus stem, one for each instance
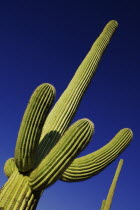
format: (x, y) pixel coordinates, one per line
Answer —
(110, 195)
(103, 204)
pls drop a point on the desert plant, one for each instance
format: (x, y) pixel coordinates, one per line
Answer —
(46, 148)
(106, 204)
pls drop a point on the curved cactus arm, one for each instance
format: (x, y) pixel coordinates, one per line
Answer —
(9, 167)
(31, 126)
(64, 110)
(62, 154)
(85, 167)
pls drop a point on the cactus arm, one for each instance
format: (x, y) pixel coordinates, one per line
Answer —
(62, 154)
(85, 167)
(113, 186)
(9, 167)
(64, 110)
(31, 126)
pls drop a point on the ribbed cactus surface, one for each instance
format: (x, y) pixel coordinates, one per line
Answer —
(31, 126)
(85, 167)
(47, 146)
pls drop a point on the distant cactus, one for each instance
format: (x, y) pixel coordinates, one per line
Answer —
(106, 204)
(103, 204)
(46, 146)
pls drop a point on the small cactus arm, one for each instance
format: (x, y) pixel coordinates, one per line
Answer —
(10, 167)
(106, 204)
(47, 147)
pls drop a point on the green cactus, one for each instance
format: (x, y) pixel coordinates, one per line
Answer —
(103, 204)
(46, 146)
(106, 204)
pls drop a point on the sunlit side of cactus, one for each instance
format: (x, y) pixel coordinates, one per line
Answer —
(47, 147)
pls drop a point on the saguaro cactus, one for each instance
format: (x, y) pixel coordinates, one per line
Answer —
(46, 146)
(106, 204)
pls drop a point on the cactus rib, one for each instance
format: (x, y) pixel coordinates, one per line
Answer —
(85, 167)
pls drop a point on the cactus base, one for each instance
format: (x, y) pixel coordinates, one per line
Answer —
(17, 194)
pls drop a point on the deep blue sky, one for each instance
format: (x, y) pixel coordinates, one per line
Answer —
(45, 41)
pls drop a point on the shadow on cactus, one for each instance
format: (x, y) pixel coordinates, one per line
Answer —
(47, 147)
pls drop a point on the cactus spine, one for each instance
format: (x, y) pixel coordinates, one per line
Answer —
(106, 204)
(46, 146)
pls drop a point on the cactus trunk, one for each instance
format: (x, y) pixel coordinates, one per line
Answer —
(16, 194)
